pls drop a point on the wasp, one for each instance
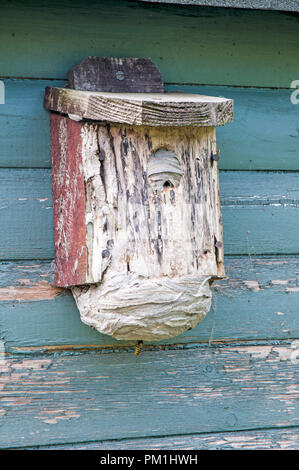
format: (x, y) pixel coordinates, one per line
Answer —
(138, 348)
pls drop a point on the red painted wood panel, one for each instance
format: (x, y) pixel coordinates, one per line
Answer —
(68, 201)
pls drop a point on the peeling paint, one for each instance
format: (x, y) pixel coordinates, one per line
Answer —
(212, 383)
(292, 289)
(31, 364)
(254, 285)
(280, 281)
(2, 352)
(289, 353)
(40, 291)
(58, 416)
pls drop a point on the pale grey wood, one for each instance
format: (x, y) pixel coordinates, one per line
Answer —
(152, 109)
(153, 229)
(283, 5)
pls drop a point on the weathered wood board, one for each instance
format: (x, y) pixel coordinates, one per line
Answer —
(273, 439)
(57, 399)
(258, 300)
(116, 74)
(183, 43)
(142, 109)
(69, 201)
(265, 118)
(113, 214)
(259, 213)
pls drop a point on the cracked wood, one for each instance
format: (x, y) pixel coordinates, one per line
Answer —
(151, 109)
(107, 211)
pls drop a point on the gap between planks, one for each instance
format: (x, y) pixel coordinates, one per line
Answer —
(12, 77)
(129, 348)
(156, 442)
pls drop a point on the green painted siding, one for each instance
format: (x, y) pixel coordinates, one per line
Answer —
(259, 300)
(208, 46)
(84, 397)
(236, 371)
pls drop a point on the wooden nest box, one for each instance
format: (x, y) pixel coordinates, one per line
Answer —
(137, 223)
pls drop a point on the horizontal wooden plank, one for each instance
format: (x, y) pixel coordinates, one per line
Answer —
(263, 136)
(260, 229)
(60, 399)
(281, 5)
(259, 188)
(26, 213)
(258, 300)
(183, 43)
(274, 439)
(149, 109)
(24, 124)
(259, 212)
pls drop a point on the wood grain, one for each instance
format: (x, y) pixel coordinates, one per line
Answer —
(149, 109)
(59, 398)
(116, 74)
(68, 189)
(259, 300)
(184, 43)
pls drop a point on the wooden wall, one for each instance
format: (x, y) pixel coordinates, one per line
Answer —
(229, 383)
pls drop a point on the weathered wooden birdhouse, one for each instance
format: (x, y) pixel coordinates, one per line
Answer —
(137, 223)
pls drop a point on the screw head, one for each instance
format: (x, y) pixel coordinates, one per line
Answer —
(120, 75)
(105, 254)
